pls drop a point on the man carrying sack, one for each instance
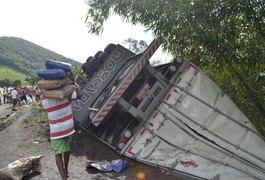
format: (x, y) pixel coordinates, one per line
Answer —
(60, 117)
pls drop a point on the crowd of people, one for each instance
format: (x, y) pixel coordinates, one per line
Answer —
(19, 95)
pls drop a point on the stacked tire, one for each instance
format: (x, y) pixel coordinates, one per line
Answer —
(93, 64)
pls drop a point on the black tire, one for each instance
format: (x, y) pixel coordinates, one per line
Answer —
(98, 53)
(103, 56)
(84, 67)
(88, 59)
(110, 47)
(95, 62)
(88, 69)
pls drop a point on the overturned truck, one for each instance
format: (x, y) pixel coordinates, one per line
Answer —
(171, 116)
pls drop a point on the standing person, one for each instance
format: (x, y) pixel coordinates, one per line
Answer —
(37, 93)
(19, 94)
(8, 94)
(14, 96)
(4, 94)
(23, 95)
(61, 128)
(31, 93)
(1, 95)
(26, 89)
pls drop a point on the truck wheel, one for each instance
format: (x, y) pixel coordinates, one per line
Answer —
(110, 47)
(87, 69)
(98, 53)
(90, 71)
(84, 67)
(88, 59)
(103, 56)
(95, 62)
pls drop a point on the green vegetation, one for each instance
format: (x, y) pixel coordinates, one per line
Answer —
(37, 122)
(25, 58)
(135, 45)
(12, 75)
(224, 38)
(39, 115)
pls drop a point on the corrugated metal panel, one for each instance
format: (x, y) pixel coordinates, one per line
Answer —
(198, 130)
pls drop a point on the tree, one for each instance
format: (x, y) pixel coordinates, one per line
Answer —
(17, 83)
(208, 29)
(9, 83)
(77, 71)
(139, 47)
(135, 45)
(33, 78)
(225, 38)
(6, 82)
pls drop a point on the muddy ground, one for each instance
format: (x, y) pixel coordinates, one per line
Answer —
(20, 140)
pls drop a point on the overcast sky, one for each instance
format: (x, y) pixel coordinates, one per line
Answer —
(59, 25)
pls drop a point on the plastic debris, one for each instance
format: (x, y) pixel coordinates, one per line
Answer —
(116, 165)
(21, 168)
(104, 166)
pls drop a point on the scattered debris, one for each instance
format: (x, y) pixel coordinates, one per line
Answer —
(21, 168)
(36, 141)
(116, 165)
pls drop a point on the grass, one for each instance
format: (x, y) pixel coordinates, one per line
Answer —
(8, 73)
(40, 116)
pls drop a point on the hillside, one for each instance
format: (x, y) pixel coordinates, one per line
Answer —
(26, 57)
(11, 74)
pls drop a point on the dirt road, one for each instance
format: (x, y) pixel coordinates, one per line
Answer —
(19, 140)
(5, 109)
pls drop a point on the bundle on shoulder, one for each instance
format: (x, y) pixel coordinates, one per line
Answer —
(57, 80)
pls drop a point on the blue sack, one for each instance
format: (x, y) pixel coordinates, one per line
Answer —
(51, 64)
(51, 73)
(118, 165)
(104, 166)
